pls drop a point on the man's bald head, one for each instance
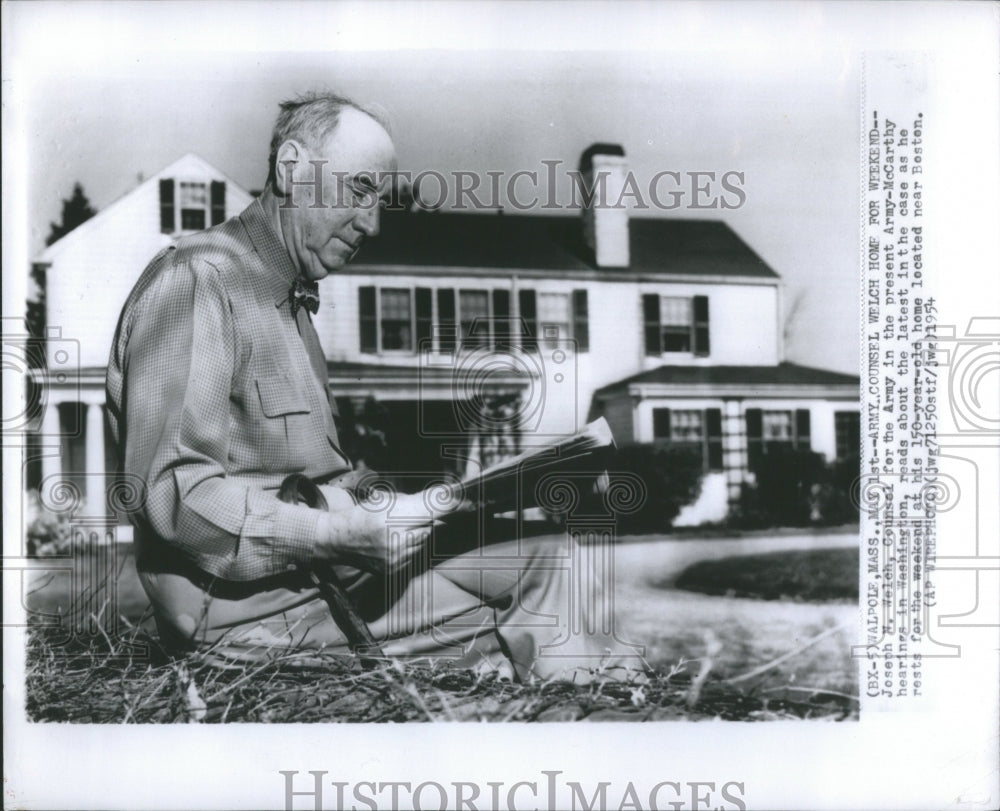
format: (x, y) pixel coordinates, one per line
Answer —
(311, 119)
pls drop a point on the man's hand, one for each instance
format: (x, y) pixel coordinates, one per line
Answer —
(385, 532)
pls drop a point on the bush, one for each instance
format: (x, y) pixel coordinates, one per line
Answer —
(833, 502)
(672, 478)
(49, 533)
(796, 488)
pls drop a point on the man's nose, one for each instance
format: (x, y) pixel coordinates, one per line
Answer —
(367, 219)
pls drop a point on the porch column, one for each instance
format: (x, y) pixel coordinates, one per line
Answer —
(734, 448)
(96, 475)
(50, 439)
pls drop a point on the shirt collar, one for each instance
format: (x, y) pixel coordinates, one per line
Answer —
(281, 272)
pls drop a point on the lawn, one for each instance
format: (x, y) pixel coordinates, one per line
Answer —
(710, 656)
(808, 575)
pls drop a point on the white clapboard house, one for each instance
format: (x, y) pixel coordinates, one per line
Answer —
(479, 334)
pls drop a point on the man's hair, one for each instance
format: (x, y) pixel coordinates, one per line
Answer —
(311, 119)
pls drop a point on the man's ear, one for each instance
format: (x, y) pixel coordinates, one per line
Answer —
(290, 154)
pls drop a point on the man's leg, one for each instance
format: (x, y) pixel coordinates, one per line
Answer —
(529, 604)
(551, 611)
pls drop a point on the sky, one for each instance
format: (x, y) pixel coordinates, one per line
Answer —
(785, 115)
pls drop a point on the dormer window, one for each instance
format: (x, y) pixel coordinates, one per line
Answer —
(191, 205)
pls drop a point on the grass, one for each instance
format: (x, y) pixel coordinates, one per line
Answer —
(808, 575)
(103, 681)
(709, 657)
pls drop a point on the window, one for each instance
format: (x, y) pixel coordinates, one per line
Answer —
(675, 324)
(396, 320)
(198, 202)
(775, 431)
(553, 319)
(700, 429)
(387, 319)
(847, 429)
(474, 311)
(194, 201)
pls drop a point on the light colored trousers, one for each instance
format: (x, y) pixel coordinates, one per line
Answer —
(537, 608)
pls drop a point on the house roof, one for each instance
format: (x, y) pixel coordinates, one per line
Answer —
(784, 374)
(669, 247)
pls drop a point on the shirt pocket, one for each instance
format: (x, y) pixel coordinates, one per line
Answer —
(284, 429)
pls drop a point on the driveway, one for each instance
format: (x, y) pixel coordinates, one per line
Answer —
(671, 625)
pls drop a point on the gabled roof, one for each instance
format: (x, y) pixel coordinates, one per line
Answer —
(669, 247)
(784, 374)
(189, 165)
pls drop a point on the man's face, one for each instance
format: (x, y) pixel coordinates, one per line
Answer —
(324, 227)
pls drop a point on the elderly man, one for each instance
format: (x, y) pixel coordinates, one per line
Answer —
(217, 390)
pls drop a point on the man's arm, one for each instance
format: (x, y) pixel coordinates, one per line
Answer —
(177, 368)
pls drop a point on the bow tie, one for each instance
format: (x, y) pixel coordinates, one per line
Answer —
(304, 295)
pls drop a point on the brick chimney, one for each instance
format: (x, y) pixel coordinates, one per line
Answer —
(603, 168)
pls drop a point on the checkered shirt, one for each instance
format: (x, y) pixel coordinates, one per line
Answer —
(215, 393)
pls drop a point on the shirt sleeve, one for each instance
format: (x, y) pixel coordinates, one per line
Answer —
(177, 372)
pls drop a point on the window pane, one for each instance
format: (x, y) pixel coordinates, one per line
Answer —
(396, 327)
(777, 426)
(192, 219)
(676, 339)
(675, 312)
(194, 195)
(686, 426)
(396, 304)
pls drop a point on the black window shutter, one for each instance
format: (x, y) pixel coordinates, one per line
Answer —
(368, 321)
(425, 318)
(701, 343)
(755, 438)
(447, 328)
(661, 423)
(802, 438)
(218, 198)
(167, 206)
(713, 431)
(581, 323)
(651, 319)
(847, 431)
(501, 319)
(529, 319)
